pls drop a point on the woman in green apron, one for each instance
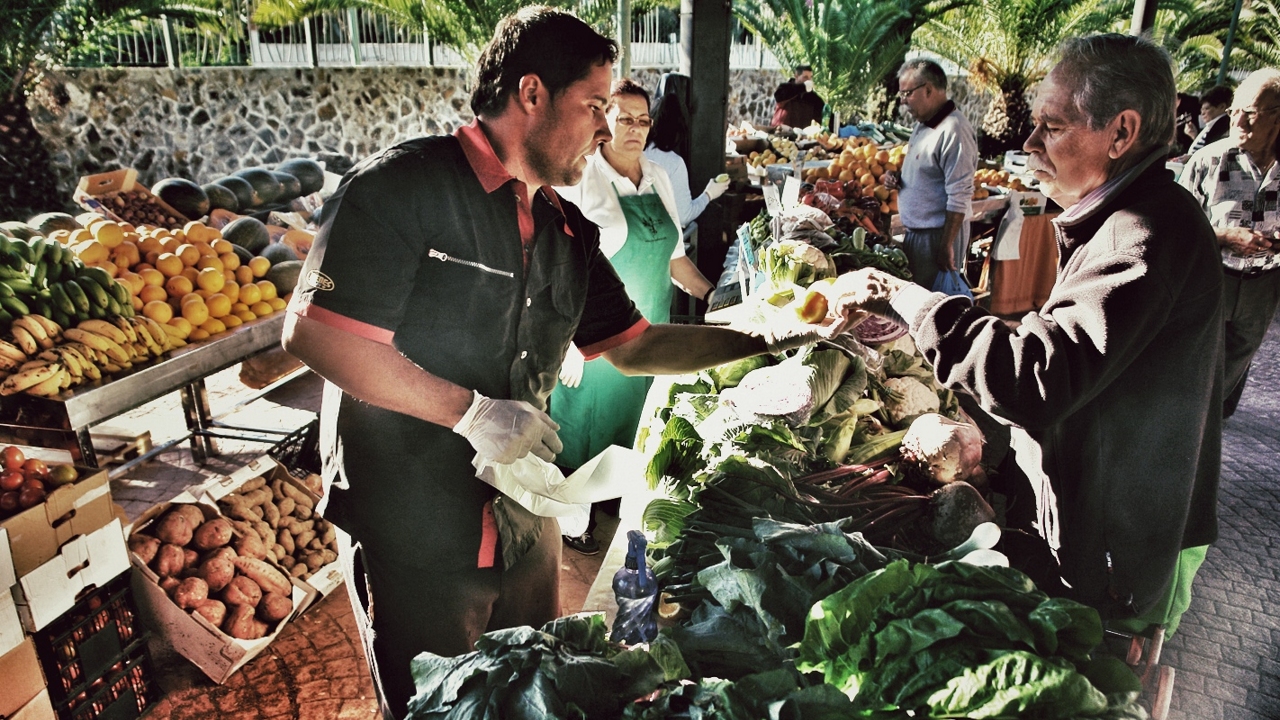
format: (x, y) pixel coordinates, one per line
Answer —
(631, 199)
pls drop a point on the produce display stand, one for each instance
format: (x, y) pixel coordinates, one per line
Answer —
(64, 422)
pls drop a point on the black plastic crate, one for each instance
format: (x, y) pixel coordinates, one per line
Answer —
(126, 693)
(299, 451)
(82, 646)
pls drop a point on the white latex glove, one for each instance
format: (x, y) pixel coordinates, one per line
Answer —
(572, 367)
(808, 85)
(504, 431)
(715, 188)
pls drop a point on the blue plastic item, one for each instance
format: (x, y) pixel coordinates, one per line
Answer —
(636, 590)
(951, 282)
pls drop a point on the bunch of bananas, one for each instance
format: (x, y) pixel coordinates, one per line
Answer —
(46, 278)
(43, 359)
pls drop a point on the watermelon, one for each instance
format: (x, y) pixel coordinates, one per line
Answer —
(221, 197)
(277, 253)
(245, 195)
(284, 276)
(265, 186)
(184, 196)
(249, 233)
(244, 255)
(308, 172)
(48, 222)
(290, 186)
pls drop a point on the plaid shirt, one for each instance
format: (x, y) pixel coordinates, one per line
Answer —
(1233, 192)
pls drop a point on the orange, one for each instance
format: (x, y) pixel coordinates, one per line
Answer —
(152, 292)
(206, 250)
(108, 233)
(177, 286)
(231, 321)
(79, 235)
(231, 290)
(195, 225)
(190, 274)
(182, 324)
(139, 267)
(222, 247)
(213, 326)
(244, 275)
(91, 251)
(268, 289)
(230, 260)
(196, 313)
(121, 260)
(211, 279)
(158, 310)
(259, 266)
(238, 307)
(209, 261)
(136, 302)
(133, 280)
(245, 315)
(230, 275)
(169, 264)
(170, 244)
(151, 276)
(250, 294)
(219, 305)
(198, 333)
(151, 257)
(262, 309)
(277, 304)
(190, 298)
(189, 253)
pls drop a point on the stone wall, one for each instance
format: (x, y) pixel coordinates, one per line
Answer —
(203, 123)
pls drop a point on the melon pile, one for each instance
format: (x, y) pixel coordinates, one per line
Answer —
(254, 188)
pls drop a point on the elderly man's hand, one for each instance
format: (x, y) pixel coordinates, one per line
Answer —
(866, 289)
(1244, 241)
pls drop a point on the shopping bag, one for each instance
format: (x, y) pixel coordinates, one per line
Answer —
(952, 282)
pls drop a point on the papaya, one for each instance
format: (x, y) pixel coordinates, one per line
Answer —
(50, 221)
(244, 192)
(284, 276)
(184, 196)
(249, 233)
(308, 172)
(299, 241)
(221, 197)
(266, 188)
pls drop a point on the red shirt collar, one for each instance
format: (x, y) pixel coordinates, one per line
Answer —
(489, 169)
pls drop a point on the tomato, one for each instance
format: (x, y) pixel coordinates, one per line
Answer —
(32, 467)
(12, 458)
(11, 480)
(30, 497)
(34, 483)
(9, 501)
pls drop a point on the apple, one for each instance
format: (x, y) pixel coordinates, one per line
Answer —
(9, 501)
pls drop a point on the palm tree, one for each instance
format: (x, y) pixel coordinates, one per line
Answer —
(34, 35)
(1194, 32)
(1008, 46)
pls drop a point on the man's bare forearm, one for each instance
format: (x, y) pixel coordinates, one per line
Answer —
(950, 230)
(375, 373)
(678, 349)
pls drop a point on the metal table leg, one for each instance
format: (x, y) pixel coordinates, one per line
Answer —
(88, 456)
(195, 407)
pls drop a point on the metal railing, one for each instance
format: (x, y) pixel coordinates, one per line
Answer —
(351, 38)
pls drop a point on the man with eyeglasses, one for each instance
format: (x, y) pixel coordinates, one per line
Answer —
(1237, 183)
(937, 174)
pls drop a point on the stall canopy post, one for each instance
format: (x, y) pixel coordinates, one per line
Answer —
(704, 56)
(1144, 16)
(624, 38)
(1226, 46)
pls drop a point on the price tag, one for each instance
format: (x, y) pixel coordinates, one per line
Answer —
(790, 192)
(772, 202)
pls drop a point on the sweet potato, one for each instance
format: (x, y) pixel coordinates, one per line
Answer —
(145, 547)
(191, 512)
(277, 552)
(286, 506)
(215, 611)
(284, 538)
(212, 534)
(266, 532)
(239, 622)
(251, 546)
(300, 497)
(170, 560)
(300, 570)
(191, 591)
(274, 607)
(313, 560)
(174, 528)
(217, 571)
(226, 551)
(251, 485)
(287, 562)
(242, 591)
(271, 513)
(267, 577)
(277, 491)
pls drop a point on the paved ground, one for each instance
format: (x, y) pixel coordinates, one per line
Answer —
(1227, 654)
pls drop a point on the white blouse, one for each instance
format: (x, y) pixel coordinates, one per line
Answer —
(595, 197)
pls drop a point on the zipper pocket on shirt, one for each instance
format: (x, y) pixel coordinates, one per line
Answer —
(444, 257)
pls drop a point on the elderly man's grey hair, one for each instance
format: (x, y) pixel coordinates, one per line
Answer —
(927, 70)
(1111, 73)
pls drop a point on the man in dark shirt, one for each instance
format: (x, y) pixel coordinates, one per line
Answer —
(443, 289)
(798, 105)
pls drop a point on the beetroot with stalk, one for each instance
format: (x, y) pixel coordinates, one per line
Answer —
(957, 508)
(945, 450)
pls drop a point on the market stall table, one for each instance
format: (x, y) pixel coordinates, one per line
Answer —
(1022, 285)
(64, 422)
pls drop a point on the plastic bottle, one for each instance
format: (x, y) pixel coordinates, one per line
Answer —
(636, 590)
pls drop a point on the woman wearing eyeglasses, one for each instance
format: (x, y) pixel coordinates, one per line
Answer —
(631, 199)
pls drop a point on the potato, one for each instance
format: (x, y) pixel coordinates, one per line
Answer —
(274, 607)
(267, 577)
(191, 591)
(265, 532)
(284, 538)
(217, 571)
(145, 547)
(314, 561)
(239, 622)
(242, 591)
(301, 539)
(287, 562)
(215, 611)
(212, 534)
(276, 491)
(191, 512)
(251, 546)
(170, 560)
(286, 506)
(271, 513)
(169, 584)
(278, 551)
(174, 528)
(190, 558)
(260, 629)
(226, 551)
(300, 570)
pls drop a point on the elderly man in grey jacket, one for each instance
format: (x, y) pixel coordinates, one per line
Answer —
(1118, 379)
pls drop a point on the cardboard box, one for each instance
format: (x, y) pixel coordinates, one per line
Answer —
(86, 562)
(325, 579)
(91, 188)
(40, 708)
(11, 633)
(23, 679)
(36, 533)
(217, 654)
